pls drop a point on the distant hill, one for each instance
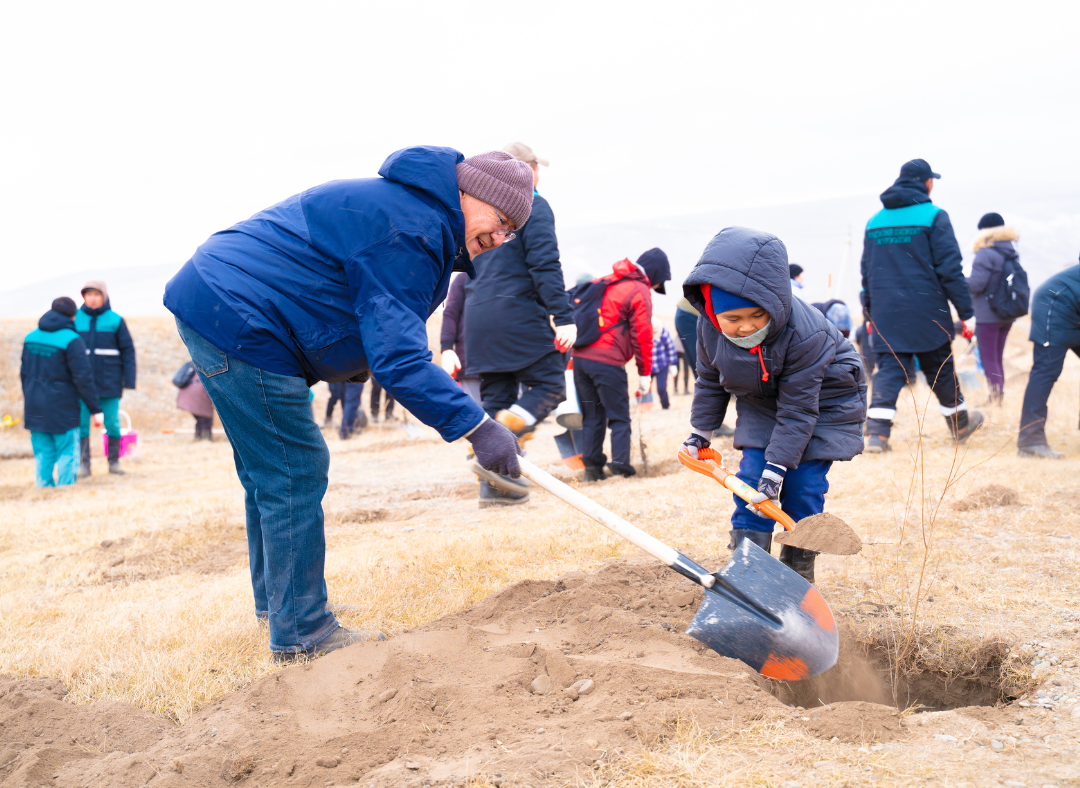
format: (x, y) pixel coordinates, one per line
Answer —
(824, 237)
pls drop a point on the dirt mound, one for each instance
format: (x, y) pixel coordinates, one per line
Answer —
(823, 533)
(537, 683)
(990, 495)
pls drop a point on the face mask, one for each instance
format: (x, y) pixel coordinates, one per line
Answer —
(752, 340)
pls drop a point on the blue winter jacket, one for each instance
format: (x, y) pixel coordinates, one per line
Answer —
(109, 346)
(911, 270)
(338, 281)
(55, 375)
(1055, 310)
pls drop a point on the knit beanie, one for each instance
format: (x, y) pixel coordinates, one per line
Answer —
(722, 300)
(501, 181)
(991, 220)
(96, 284)
(794, 270)
(65, 306)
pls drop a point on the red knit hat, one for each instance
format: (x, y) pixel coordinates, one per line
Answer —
(501, 181)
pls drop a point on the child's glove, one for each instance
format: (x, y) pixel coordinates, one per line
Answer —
(694, 443)
(772, 479)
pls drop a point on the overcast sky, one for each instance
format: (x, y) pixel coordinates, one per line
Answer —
(133, 131)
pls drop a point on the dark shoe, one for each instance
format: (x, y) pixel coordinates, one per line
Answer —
(328, 423)
(966, 424)
(339, 638)
(390, 417)
(84, 458)
(802, 561)
(762, 539)
(490, 495)
(1040, 450)
(618, 469)
(500, 482)
(344, 434)
(877, 444)
(114, 458)
(723, 431)
(361, 421)
(594, 474)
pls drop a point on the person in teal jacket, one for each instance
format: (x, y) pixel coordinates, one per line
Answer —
(56, 381)
(112, 359)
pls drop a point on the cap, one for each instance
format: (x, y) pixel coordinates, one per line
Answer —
(991, 220)
(917, 169)
(522, 152)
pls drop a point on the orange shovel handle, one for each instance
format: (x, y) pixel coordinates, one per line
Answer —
(716, 470)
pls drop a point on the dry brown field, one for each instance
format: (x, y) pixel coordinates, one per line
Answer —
(130, 654)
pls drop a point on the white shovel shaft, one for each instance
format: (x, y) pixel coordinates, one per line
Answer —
(590, 508)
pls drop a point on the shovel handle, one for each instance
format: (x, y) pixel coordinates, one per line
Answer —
(717, 471)
(631, 533)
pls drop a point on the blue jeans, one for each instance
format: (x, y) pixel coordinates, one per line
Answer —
(55, 450)
(802, 495)
(282, 461)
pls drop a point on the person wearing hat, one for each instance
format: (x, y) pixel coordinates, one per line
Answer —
(112, 357)
(796, 273)
(993, 246)
(517, 297)
(799, 385)
(335, 284)
(56, 382)
(600, 368)
(911, 271)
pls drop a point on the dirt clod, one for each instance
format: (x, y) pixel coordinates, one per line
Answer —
(682, 599)
(990, 495)
(822, 533)
(541, 685)
(857, 721)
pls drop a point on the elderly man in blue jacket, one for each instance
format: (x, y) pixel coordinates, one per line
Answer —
(911, 270)
(335, 284)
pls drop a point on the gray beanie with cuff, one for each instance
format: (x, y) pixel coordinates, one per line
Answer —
(501, 181)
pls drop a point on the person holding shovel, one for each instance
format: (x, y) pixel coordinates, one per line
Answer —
(335, 284)
(799, 385)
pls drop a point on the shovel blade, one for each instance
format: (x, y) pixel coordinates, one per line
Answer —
(764, 614)
(568, 443)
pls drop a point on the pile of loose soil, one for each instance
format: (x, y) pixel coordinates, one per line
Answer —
(990, 495)
(823, 533)
(535, 684)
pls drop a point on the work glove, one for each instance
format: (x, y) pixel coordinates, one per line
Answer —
(644, 386)
(496, 448)
(694, 443)
(969, 328)
(451, 363)
(565, 337)
(772, 479)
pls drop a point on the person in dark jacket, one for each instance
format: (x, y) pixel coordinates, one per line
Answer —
(911, 271)
(337, 394)
(1055, 330)
(335, 284)
(454, 358)
(517, 294)
(112, 358)
(992, 246)
(600, 368)
(56, 381)
(377, 393)
(800, 388)
(353, 420)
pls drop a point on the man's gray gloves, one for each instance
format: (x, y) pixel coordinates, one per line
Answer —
(694, 443)
(496, 448)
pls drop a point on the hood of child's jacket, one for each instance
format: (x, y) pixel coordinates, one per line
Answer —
(656, 266)
(904, 192)
(432, 170)
(99, 311)
(54, 321)
(749, 263)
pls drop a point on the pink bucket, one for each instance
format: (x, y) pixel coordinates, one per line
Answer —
(128, 438)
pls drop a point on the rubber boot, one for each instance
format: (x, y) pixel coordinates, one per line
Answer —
(762, 539)
(114, 457)
(594, 473)
(84, 458)
(513, 422)
(490, 495)
(802, 561)
(963, 424)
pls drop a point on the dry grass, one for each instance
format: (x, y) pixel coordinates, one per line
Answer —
(171, 627)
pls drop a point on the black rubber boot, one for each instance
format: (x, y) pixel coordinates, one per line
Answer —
(594, 474)
(962, 424)
(762, 539)
(802, 561)
(619, 469)
(84, 458)
(114, 457)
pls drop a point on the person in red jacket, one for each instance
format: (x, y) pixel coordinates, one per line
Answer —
(600, 368)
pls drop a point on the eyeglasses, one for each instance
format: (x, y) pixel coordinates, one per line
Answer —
(507, 235)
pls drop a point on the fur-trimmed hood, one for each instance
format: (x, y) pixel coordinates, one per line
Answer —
(992, 235)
